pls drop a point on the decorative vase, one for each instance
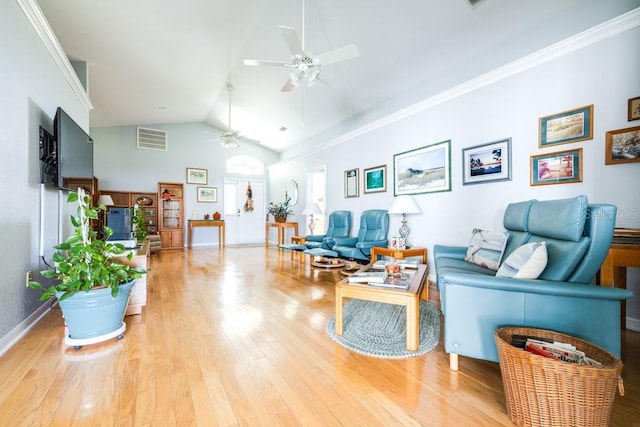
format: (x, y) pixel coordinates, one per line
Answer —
(279, 218)
(95, 313)
(216, 215)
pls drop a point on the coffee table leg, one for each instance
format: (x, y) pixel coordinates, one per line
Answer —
(413, 323)
(338, 312)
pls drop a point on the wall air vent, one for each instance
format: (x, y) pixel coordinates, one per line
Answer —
(152, 139)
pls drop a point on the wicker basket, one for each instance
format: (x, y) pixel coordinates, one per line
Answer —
(542, 391)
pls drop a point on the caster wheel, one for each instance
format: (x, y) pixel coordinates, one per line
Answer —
(77, 347)
(119, 337)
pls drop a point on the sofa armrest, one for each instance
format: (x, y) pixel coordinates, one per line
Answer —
(455, 252)
(345, 241)
(543, 287)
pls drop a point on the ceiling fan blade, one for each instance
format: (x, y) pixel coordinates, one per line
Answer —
(270, 63)
(292, 39)
(288, 86)
(337, 55)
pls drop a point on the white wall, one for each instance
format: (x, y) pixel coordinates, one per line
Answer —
(604, 74)
(32, 86)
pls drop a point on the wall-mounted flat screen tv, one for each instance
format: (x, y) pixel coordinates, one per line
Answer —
(74, 151)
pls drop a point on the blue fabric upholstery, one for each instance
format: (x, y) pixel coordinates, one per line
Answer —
(374, 226)
(475, 303)
(339, 225)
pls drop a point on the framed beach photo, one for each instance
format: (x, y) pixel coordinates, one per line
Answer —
(634, 109)
(557, 168)
(196, 176)
(423, 170)
(351, 183)
(375, 179)
(207, 194)
(488, 162)
(568, 126)
(622, 146)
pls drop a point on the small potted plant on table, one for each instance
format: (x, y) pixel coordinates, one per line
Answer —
(93, 288)
(280, 211)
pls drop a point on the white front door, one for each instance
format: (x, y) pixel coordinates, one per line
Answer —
(244, 213)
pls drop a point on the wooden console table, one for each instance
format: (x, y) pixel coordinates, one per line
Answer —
(280, 226)
(207, 223)
(624, 252)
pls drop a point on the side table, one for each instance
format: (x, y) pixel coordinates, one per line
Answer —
(401, 254)
(280, 226)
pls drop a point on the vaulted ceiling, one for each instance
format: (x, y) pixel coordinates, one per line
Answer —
(167, 61)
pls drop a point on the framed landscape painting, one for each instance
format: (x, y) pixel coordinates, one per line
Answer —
(489, 162)
(557, 168)
(622, 146)
(375, 179)
(423, 170)
(196, 176)
(207, 194)
(568, 126)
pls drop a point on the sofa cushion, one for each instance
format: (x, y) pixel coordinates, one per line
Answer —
(560, 219)
(486, 248)
(526, 262)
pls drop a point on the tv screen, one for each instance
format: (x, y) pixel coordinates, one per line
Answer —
(74, 151)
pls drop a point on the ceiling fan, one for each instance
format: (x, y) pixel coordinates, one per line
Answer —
(229, 139)
(305, 66)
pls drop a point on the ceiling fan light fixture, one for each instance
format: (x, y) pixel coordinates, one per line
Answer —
(230, 138)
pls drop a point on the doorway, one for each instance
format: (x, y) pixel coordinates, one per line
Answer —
(244, 211)
(317, 190)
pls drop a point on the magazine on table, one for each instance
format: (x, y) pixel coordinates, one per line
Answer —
(403, 263)
(368, 276)
(396, 281)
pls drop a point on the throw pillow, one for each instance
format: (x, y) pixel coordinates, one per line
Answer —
(486, 248)
(526, 262)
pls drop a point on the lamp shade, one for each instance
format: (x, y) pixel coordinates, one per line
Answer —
(312, 209)
(404, 205)
(106, 200)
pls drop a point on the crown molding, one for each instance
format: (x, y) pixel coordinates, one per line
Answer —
(43, 29)
(608, 29)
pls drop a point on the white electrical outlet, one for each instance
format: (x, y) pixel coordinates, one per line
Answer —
(28, 277)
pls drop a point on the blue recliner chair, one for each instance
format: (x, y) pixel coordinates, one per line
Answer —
(339, 225)
(475, 302)
(374, 225)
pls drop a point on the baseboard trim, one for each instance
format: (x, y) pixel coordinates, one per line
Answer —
(633, 324)
(23, 327)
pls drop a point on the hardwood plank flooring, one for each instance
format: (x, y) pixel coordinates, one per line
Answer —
(237, 338)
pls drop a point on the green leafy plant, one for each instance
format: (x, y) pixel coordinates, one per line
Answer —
(84, 262)
(138, 223)
(280, 209)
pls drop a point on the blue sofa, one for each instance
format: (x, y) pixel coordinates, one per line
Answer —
(475, 302)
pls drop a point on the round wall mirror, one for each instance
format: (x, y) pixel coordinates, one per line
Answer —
(291, 190)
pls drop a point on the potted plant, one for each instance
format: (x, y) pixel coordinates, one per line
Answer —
(280, 211)
(138, 224)
(92, 287)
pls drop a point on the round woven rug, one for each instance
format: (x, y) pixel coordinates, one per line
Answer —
(379, 330)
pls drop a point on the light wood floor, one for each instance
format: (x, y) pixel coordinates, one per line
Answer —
(238, 339)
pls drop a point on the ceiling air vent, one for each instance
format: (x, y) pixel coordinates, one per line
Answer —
(475, 3)
(152, 139)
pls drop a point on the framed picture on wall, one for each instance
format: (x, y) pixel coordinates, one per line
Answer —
(375, 179)
(568, 126)
(622, 146)
(351, 183)
(488, 162)
(634, 109)
(196, 176)
(207, 194)
(423, 170)
(557, 168)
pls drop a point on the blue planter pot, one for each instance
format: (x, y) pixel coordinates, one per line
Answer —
(95, 313)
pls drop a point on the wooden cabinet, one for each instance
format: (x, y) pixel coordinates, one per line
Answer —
(148, 202)
(171, 214)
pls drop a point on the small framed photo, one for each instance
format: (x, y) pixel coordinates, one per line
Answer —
(634, 109)
(351, 183)
(375, 179)
(568, 126)
(196, 176)
(207, 194)
(557, 168)
(423, 170)
(489, 162)
(622, 146)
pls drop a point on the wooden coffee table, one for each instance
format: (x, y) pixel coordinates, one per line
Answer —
(409, 298)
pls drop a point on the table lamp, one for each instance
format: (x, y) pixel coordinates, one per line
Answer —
(106, 200)
(404, 205)
(312, 209)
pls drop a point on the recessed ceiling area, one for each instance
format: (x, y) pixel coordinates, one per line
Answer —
(162, 61)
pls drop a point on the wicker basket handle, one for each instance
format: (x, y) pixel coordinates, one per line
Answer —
(620, 386)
